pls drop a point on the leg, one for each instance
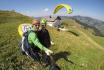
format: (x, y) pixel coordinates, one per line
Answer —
(34, 54)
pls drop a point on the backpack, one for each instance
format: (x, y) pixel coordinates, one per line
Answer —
(26, 43)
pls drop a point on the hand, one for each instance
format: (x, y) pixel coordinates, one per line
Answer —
(52, 43)
(48, 52)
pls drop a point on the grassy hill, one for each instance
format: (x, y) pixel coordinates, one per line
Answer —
(12, 17)
(83, 51)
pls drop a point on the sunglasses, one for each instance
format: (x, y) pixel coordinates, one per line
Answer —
(36, 25)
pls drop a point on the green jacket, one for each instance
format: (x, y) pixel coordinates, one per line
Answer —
(33, 39)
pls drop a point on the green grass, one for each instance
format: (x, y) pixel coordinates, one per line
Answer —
(13, 17)
(71, 52)
(83, 53)
(99, 40)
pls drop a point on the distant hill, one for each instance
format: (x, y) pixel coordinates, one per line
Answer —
(96, 25)
(87, 22)
(13, 17)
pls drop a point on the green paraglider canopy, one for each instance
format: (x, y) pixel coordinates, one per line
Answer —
(60, 6)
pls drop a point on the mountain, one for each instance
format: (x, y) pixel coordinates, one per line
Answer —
(96, 25)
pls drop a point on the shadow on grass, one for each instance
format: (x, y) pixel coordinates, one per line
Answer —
(76, 34)
(62, 55)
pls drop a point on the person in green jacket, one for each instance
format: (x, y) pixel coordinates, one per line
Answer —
(33, 42)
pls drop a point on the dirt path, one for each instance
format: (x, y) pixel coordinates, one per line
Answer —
(92, 41)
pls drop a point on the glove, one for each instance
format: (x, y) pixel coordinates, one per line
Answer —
(48, 52)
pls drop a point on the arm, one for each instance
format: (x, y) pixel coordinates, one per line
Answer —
(52, 43)
(34, 39)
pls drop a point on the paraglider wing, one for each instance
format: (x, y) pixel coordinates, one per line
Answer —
(60, 6)
(22, 28)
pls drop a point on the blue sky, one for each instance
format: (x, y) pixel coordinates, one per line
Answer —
(92, 8)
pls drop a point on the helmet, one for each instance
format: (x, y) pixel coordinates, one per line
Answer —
(43, 21)
(35, 22)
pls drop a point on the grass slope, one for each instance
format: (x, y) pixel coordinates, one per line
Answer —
(12, 17)
(72, 52)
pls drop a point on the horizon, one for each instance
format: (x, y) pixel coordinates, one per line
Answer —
(53, 15)
(37, 8)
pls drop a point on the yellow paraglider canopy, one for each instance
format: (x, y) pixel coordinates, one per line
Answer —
(22, 28)
(60, 6)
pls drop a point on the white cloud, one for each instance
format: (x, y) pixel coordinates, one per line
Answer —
(46, 9)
